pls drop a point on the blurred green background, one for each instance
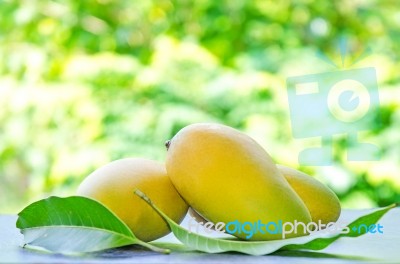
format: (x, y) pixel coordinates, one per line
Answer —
(86, 82)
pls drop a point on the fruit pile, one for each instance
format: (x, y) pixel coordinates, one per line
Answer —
(222, 174)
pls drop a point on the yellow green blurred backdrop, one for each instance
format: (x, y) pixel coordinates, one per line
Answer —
(86, 82)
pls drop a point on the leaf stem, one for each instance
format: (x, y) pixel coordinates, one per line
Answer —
(163, 216)
(153, 248)
(143, 196)
(147, 200)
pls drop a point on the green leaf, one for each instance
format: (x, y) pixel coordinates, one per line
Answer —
(314, 241)
(74, 225)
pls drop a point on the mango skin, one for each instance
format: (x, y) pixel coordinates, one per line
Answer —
(226, 176)
(114, 184)
(321, 201)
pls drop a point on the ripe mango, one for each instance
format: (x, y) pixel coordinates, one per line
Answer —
(114, 185)
(321, 202)
(226, 176)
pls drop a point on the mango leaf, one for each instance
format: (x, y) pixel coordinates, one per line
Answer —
(315, 241)
(74, 225)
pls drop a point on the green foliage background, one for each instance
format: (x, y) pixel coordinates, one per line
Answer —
(86, 82)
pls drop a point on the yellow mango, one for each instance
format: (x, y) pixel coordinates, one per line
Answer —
(114, 185)
(321, 201)
(226, 176)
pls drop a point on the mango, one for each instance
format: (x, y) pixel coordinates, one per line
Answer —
(114, 185)
(322, 202)
(226, 176)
